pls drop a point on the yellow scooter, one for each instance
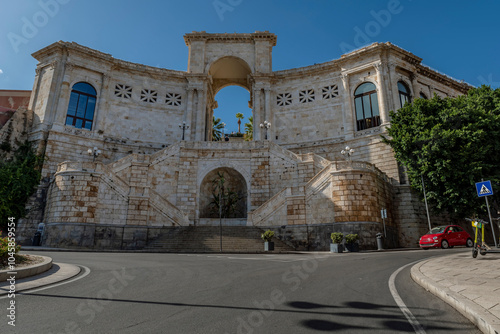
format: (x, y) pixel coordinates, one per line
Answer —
(482, 248)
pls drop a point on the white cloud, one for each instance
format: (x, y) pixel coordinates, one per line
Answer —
(1, 71)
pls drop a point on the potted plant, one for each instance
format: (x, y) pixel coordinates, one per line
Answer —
(268, 244)
(336, 245)
(351, 244)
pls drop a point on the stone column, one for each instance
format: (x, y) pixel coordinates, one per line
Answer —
(138, 202)
(393, 84)
(412, 86)
(188, 117)
(256, 115)
(200, 120)
(268, 113)
(349, 111)
(384, 111)
(101, 105)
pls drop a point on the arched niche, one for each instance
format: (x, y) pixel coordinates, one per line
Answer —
(234, 182)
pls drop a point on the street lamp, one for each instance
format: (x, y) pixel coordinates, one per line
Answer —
(95, 152)
(265, 125)
(223, 131)
(183, 126)
(347, 152)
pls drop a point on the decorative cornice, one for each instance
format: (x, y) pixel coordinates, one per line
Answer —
(243, 38)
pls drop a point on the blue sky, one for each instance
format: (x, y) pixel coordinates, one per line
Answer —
(458, 38)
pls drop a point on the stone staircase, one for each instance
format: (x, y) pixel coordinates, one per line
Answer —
(206, 239)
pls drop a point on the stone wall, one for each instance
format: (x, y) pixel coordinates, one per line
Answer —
(15, 132)
(145, 177)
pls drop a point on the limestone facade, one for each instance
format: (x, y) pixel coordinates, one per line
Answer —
(293, 173)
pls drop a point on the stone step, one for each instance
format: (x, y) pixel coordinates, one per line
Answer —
(207, 239)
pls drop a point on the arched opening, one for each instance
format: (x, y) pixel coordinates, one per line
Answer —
(233, 195)
(404, 93)
(366, 104)
(81, 106)
(230, 84)
(232, 111)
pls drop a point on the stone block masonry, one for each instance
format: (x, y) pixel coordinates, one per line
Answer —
(145, 178)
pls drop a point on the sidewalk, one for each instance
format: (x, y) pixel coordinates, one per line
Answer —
(59, 272)
(471, 286)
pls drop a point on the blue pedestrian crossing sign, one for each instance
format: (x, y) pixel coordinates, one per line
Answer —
(484, 188)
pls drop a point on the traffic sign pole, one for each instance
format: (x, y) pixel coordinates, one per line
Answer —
(484, 189)
(491, 222)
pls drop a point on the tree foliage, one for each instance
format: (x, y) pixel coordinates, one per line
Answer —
(18, 180)
(217, 128)
(249, 129)
(239, 116)
(452, 143)
(224, 200)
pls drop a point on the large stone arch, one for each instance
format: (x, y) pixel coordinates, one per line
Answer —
(220, 60)
(223, 72)
(227, 71)
(234, 182)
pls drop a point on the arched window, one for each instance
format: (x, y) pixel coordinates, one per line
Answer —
(81, 106)
(366, 104)
(422, 96)
(404, 93)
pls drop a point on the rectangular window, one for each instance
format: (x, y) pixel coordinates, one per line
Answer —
(359, 109)
(69, 120)
(82, 105)
(374, 104)
(366, 106)
(73, 101)
(88, 125)
(89, 113)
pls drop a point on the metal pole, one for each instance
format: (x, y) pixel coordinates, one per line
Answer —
(426, 206)
(220, 218)
(491, 221)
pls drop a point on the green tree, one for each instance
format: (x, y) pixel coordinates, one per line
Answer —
(239, 116)
(452, 143)
(217, 129)
(18, 180)
(249, 129)
(223, 199)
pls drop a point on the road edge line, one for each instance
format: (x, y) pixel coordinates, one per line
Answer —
(399, 301)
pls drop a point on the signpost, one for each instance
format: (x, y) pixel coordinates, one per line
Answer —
(484, 189)
(383, 213)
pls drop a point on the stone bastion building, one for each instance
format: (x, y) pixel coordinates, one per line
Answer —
(147, 183)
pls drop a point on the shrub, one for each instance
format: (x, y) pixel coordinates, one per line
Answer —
(18, 180)
(4, 250)
(351, 238)
(337, 237)
(267, 236)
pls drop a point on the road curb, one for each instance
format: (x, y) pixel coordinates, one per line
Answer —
(29, 271)
(487, 323)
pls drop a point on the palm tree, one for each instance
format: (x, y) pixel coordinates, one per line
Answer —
(239, 116)
(249, 129)
(217, 128)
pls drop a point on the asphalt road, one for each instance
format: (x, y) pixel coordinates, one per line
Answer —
(203, 293)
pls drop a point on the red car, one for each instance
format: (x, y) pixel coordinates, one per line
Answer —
(446, 237)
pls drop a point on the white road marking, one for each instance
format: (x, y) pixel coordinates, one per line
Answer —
(86, 271)
(392, 287)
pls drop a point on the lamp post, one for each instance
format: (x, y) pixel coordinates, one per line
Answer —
(183, 126)
(347, 152)
(266, 125)
(95, 152)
